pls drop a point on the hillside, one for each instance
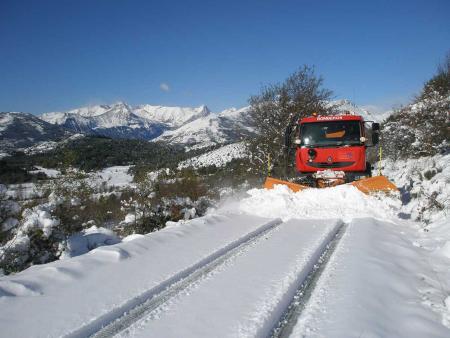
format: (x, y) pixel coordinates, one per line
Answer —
(421, 128)
(20, 130)
(231, 125)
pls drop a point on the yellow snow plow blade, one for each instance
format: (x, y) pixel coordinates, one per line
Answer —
(368, 185)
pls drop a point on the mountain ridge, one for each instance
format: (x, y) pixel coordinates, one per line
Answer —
(193, 127)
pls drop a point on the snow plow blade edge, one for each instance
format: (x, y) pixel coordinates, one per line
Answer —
(368, 185)
(375, 184)
(271, 182)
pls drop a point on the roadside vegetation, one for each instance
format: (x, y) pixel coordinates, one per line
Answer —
(421, 128)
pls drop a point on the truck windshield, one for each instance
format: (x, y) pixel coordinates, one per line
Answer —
(331, 133)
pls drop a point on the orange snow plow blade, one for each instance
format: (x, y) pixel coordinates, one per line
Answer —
(367, 185)
(375, 184)
(270, 183)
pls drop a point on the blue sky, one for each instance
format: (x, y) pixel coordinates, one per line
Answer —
(62, 54)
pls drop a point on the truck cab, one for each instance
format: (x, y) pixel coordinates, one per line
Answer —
(333, 142)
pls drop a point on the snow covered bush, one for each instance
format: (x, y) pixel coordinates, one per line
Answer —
(45, 229)
(33, 240)
(8, 212)
(87, 240)
(421, 128)
(423, 184)
(168, 196)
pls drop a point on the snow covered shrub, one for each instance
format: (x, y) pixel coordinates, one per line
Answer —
(8, 213)
(45, 228)
(158, 199)
(421, 128)
(34, 240)
(87, 240)
(423, 184)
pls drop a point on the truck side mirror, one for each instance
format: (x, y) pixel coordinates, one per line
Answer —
(375, 126)
(375, 138)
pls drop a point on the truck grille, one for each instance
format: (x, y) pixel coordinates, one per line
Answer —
(330, 165)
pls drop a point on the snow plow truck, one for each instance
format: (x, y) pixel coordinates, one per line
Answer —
(332, 150)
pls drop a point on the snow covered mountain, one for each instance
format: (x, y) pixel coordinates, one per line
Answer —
(228, 126)
(194, 127)
(117, 121)
(172, 116)
(20, 130)
(349, 106)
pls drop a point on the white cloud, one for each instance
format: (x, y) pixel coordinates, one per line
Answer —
(164, 87)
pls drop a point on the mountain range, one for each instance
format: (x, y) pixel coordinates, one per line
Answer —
(192, 127)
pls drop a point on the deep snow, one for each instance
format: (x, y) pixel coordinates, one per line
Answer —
(387, 276)
(247, 295)
(377, 284)
(55, 299)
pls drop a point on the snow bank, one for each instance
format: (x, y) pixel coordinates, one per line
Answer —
(72, 293)
(88, 240)
(343, 202)
(424, 185)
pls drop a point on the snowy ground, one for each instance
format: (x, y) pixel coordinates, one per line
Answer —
(424, 183)
(51, 173)
(218, 157)
(23, 191)
(234, 272)
(111, 177)
(117, 176)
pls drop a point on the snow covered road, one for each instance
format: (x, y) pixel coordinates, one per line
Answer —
(329, 263)
(375, 285)
(247, 295)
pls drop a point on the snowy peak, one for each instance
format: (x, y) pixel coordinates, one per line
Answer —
(122, 115)
(230, 125)
(349, 106)
(90, 111)
(172, 116)
(86, 113)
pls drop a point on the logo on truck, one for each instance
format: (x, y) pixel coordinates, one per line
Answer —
(328, 118)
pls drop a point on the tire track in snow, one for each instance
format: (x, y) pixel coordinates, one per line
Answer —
(289, 318)
(123, 316)
(247, 295)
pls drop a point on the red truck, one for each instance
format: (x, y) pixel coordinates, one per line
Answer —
(331, 150)
(335, 143)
